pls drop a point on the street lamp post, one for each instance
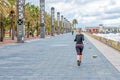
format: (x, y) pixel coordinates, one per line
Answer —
(52, 20)
(20, 21)
(42, 18)
(58, 19)
(12, 22)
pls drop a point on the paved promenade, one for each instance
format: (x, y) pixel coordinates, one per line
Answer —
(111, 54)
(54, 59)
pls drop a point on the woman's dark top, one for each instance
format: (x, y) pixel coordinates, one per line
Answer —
(79, 39)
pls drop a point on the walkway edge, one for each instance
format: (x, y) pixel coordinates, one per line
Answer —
(111, 54)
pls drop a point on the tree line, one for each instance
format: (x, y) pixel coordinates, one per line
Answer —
(8, 18)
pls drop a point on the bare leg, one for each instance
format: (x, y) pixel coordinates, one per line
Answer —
(78, 60)
(80, 57)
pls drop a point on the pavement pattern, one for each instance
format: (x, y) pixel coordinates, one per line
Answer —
(54, 58)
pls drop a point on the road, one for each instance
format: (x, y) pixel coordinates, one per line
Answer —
(54, 58)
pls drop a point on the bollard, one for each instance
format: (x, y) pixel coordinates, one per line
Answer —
(94, 56)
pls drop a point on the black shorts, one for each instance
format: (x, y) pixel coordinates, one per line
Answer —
(79, 50)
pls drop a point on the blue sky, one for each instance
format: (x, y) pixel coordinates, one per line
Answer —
(87, 12)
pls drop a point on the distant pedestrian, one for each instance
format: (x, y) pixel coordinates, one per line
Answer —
(31, 34)
(79, 38)
(72, 32)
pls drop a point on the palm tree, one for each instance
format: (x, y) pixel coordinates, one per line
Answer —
(28, 18)
(32, 17)
(48, 22)
(34, 14)
(75, 22)
(4, 5)
(12, 16)
(37, 10)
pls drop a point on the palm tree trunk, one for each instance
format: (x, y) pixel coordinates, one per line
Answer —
(28, 29)
(37, 30)
(10, 32)
(1, 30)
(12, 26)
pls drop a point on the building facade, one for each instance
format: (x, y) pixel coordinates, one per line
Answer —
(102, 29)
(92, 29)
(107, 30)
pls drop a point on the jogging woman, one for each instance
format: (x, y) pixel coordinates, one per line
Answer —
(79, 38)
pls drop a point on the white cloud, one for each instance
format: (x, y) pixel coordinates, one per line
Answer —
(88, 12)
(111, 21)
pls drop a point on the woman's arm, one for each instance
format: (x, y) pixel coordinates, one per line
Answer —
(83, 38)
(75, 38)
